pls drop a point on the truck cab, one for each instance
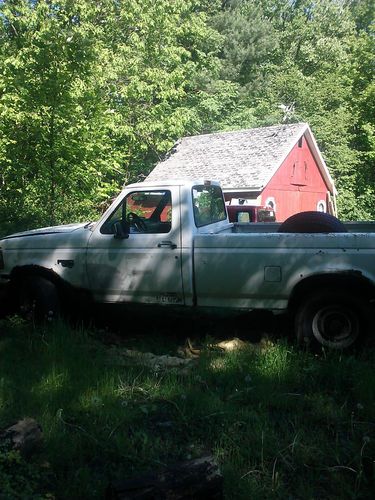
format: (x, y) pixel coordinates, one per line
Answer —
(139, 251)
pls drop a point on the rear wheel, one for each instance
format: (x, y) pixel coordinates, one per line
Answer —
(38, 299)
(330, 319)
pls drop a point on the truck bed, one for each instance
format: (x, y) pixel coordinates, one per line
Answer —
(272, 227)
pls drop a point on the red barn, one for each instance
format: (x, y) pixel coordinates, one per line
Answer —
(279, 166)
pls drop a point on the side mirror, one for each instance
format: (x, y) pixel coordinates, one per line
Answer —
(121, 230)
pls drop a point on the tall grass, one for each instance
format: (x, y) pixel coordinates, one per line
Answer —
(282, 423)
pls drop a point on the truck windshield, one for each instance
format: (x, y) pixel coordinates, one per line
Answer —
(208, 205)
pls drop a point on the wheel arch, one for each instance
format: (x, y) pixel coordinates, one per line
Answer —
(353, 280)
(67, 292)
(20, 272)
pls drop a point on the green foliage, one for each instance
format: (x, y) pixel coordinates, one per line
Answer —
(363, 12)
(20, 478)
(93, 94)
(161, 48)
(52, 125)
(362, 99)
(248, 38)
(90, 96)
(311, 75)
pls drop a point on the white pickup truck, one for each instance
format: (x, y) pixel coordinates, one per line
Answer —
(172, 244)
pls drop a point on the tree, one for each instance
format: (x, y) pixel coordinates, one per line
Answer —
(52, 130)
(159, 51)
(363, 127)
(247, 40)
(311, 74)
(91, 94)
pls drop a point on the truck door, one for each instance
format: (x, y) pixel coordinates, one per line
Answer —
(142, 261)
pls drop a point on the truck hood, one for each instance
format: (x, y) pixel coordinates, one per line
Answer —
(68, 228)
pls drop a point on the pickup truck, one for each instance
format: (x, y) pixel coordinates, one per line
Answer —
(171, 244)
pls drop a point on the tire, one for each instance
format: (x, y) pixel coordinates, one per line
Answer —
(312, 222)
(38, 299)
(6, 303)
(330, 319)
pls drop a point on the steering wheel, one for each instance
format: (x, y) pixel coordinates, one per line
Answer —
(137, 222)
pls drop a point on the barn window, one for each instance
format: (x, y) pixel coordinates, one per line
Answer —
(299, 175)
(321, 206)
(300, 142)
(271, 203)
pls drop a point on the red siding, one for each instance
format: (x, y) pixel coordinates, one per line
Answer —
(297, 185)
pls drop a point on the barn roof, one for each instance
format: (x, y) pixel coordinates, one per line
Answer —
(243, 160)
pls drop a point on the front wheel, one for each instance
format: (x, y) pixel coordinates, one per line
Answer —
(38, 299)
(330, 319)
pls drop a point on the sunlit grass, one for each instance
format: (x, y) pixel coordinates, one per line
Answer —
(282, 423)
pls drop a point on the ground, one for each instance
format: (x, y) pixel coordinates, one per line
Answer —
(280, 422)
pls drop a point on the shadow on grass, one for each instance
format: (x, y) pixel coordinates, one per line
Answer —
(282, 424)
(134, 325)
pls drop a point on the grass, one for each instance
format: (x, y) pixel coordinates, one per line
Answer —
(281, 423)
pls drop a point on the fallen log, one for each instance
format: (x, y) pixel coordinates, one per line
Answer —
(25, 436)
(198, 479)
(128, 357)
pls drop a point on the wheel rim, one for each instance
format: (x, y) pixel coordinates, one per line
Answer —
(336, 326)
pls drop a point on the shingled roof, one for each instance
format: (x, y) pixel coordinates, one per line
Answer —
(242, 160)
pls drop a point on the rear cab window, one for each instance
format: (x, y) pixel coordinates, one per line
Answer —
(208, 205)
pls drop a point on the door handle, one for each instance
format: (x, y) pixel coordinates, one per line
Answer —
(167, 244)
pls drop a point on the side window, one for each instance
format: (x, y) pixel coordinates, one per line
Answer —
(116, 216)
(208, 205)
(321, 206)
(143, 212)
